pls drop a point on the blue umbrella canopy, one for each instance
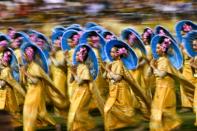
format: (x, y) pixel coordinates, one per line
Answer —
(158, 28)
(58, 28)
(56, 35)
(91, 60)
(39, 56)
(25, 37)
(98, 29)
(67, 35)
(138, 43)
(47, 46)
(90, 24)
(175, 56)
(130, 62)
(188, 41)
(106, 32)
(5, 37)
(84, 40)
(151, 35)
(179, 28)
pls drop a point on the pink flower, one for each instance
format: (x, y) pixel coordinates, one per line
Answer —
(147, 33)
(165, 44)
(6, 56)
(161, 32)
(3, 43)
(187, 28)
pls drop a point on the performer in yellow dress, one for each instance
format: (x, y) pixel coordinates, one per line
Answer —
(97, 43)
(69, 41)
(190, 46)
(134, 41)
(19, 39)
(79, 118)
(163, 110)
(147, 36)
(58, 74)
(119, 109)
(37, 82)
(182, 28)
(7, 86)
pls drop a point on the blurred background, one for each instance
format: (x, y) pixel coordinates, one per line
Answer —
(114, 15)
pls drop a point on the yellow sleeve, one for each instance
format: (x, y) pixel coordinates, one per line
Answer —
(119, 68)
(83, 72)
(7, 76)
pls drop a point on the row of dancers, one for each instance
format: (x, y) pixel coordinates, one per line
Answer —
(129, 79)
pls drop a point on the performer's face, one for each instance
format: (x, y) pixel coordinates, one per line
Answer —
(16, 44)
(194, 45)
(113, 53)
(159, 49)
(58, 42)
(74, 40)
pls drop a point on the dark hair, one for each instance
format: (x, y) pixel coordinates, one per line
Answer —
(93, 34)
(71, 37)
(86, 56)
(107, 33)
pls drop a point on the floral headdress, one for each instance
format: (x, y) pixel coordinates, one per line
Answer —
(187, 28)
(165, 44)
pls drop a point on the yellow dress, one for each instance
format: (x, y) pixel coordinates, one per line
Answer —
(78, 117)
(119, 107)
(58, 76)
(195, 92)
(139, 76)
(163, 110)
(100, 82)
(19, 98)
(37, 82)
(7, 94)
(149, 78)
(71, 85)
(187, 73)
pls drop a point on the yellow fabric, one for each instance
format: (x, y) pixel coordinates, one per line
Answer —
(149, 79)
(139, 76)
(119, 107)
(187, 73)
(59, 79)
(34, 104)
(100, 82)
(194, 80)
(78, 118)
(163, 110)
(19, 98)
(7, 94)
(71, 85)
